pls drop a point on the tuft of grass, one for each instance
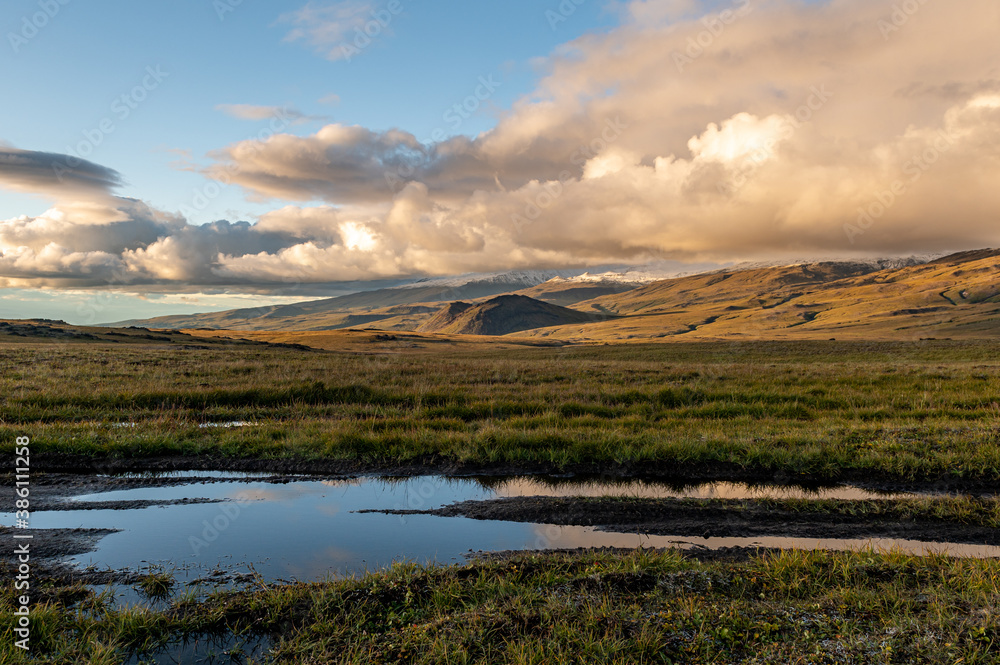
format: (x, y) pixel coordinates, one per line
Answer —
(156, 585)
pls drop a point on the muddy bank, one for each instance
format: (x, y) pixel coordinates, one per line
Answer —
(52, 491)
(714, 519)
(669, 472)
(720, 555)
(49, 549)
(53, 582)
(45, 506)
(54, 544)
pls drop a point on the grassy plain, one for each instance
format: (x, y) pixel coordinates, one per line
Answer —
(905, 412)
(596, 607)
(919, 411)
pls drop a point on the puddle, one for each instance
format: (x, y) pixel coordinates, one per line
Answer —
(309, 530)
(207, 651)
(432, 491)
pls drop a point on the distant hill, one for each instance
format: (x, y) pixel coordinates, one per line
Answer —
(504, 315)
(396, 308)
(445, 316)
(409, 307)
(568, 292)
(47, 331)
(954, 296)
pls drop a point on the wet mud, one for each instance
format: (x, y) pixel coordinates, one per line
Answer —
(712, 519)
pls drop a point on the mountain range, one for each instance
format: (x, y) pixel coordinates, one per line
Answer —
(912, 298)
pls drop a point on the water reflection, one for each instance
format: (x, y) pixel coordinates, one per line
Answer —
(716, 490)
(310, 529)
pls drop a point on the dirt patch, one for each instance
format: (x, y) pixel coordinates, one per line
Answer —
(54, 544)
(117, 505)
(51, 491)
(711, 519)
(722, 554)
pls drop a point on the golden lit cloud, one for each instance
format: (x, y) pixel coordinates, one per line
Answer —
(761, 129)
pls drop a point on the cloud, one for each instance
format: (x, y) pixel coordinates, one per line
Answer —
(757, 129)
(657, 12)
(69, 247)
(48, 172)
(781, 129)
(251, 112)
(330, 28)
(351, 164)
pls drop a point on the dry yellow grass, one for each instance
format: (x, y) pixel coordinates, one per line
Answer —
(957, 299)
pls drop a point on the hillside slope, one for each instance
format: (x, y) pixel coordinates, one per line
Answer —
(957, 296)
(397, 308)
(504, 315)
(954, 296)
(567, 293)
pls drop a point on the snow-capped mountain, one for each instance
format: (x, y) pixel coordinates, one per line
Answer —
(517, 279)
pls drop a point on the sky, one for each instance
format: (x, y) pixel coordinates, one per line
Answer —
(197, 155)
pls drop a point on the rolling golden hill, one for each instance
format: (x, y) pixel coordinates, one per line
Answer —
(954, 297)
(957, 296)
(398, 309)
(504, 315)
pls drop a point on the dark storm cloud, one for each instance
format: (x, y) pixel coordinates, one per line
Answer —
(49, 172)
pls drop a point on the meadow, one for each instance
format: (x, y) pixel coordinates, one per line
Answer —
(911, 415)
(911, 411)
(599, 607)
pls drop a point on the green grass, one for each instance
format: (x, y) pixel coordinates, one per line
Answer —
(156, 585)
(824, 410)
(639, 607)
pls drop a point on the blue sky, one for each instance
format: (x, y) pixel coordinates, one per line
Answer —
(91, 53)
(139, 173)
